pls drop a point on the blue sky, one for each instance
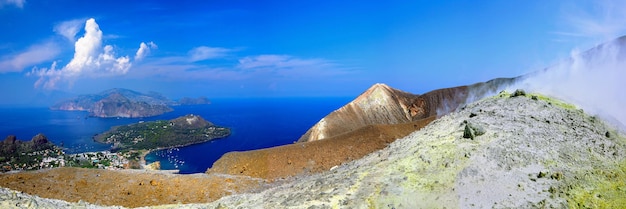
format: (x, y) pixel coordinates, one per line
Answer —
(284, 48)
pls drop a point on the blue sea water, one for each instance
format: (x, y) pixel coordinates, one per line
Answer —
(255, 123)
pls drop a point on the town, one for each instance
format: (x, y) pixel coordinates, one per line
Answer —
(56, 157)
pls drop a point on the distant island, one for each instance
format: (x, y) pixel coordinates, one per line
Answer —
(182, 131)
(193, 101)
(124, 103)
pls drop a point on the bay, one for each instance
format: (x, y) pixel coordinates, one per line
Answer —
(255, 123)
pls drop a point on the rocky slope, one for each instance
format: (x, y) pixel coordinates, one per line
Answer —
(375, 118)
(315, 156)
(527, 152)
(25, 155)
(532, 152)
(11, 146)
(381, 104)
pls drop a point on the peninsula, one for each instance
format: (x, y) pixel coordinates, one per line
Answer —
(182, 131)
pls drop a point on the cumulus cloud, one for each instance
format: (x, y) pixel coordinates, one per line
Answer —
(16, 3)
(33, 55)
(90, 59)
(144, 50)
(69, 29)
(204, 53)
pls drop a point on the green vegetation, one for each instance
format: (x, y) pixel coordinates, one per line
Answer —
(28, 155)
(182, 131)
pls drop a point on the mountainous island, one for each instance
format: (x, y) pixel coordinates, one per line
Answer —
(185, 130)
(194, 101)
(124, 103)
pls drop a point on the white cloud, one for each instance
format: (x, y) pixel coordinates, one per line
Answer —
(90, 59)
(278, 62)
(205, 53)
(261, 67)
(16, 3)
(144, 50)
(69, 29)
(33, 55)
(51, 73)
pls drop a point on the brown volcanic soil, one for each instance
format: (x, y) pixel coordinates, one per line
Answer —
(398, 107)
(126, 188)
(381, 104)
(314, 156)
(361, 127)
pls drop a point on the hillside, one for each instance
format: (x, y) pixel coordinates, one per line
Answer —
(527, 152)
(533, 152)
(374, 119)
(315, 156)
(25, 155)
(382, 104)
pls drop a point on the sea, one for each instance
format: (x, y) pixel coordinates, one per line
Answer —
(255, 123)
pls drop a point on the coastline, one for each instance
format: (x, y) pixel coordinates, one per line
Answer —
(145, 165)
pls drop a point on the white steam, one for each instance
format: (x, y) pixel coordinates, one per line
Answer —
(593, 80)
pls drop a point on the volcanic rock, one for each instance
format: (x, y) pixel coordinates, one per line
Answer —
(520, 162)
(381, 104)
